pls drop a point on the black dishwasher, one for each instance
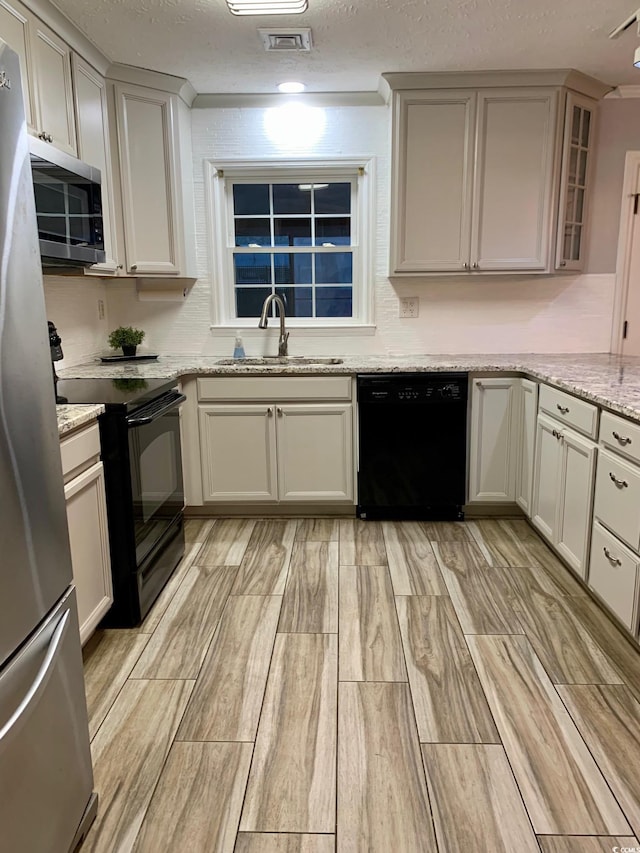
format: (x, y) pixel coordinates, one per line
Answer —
(412, 445)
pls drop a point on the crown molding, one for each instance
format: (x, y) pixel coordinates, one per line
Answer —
(152, 80)
(625, 92)
(568, 77)
(68, 32)
(269, 99)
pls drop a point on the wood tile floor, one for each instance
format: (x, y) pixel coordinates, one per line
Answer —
(336, 685)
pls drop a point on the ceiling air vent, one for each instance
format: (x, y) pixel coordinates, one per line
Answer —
(286, 39)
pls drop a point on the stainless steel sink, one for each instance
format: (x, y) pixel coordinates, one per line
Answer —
(276, 360)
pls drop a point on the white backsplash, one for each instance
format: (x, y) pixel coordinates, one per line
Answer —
(72, 304)
(498, 314)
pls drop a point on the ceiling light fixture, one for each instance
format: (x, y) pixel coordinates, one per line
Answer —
(291, 88)
(267, 7)
(629, 22)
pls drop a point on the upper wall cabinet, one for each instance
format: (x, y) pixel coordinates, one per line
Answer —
(157, 205)
(93, 147)
(45, 63)
(479, 171)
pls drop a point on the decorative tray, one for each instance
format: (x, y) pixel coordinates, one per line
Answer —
(145, 357)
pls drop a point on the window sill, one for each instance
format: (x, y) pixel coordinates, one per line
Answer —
(336, 331)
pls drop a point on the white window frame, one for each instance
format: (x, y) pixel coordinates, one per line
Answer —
(219, 173)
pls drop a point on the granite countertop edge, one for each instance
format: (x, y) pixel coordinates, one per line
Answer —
(72, 417)
(610, 381)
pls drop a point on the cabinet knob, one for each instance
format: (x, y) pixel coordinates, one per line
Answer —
(564, 410)
(269, 411)
(279, 411)
(134, 266)
(475, 265)
(621, 484)
(562, 264)
(623, 439)
(613, 560)
(49, 137)
(119, 267)
(465, 266)
(42, 136)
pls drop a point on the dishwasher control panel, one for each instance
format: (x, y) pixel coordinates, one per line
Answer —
(413, 388)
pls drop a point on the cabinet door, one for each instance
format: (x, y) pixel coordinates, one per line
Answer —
(93, 146)
(432, 184)
(577, 156)
(528, 408)
(315, 452)
(493, 442)
(238, 453)
(575, 504)
(513, 180)
(546, 476)
(148, 171)
(54, 94)
(14, 29)
(89, 540)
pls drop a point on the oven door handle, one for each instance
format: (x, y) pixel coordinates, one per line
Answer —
(134, 421)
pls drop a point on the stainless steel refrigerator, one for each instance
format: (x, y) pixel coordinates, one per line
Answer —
(46, 781)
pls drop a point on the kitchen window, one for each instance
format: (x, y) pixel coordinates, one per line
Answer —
(300, 230)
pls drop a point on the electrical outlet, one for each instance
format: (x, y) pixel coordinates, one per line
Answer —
(100, 309)
(409, 306)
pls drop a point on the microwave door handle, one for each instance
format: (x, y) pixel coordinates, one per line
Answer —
(147, 419)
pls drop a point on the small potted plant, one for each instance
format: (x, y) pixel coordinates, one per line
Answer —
(126, 337)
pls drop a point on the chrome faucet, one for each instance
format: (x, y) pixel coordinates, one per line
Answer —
(264, 321)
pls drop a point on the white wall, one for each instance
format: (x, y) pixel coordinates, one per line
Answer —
(501, 314)
(72, 304)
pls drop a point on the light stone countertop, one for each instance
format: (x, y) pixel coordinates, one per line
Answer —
(608, 380)
(72, 417)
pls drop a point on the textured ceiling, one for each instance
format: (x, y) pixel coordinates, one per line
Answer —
(355, 42)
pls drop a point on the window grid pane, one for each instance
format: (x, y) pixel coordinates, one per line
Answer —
(301, 293)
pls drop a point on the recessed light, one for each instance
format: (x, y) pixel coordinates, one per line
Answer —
(291, 88)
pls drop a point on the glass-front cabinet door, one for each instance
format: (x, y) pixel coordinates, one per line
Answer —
(577, 153)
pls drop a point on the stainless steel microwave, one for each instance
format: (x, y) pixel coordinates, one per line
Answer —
(68, 207)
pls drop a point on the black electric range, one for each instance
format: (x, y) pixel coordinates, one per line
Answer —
(140, 441)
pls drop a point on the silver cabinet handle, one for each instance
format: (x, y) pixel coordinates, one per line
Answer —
(562, 263)
(269, 411)
(556, 434)
(564, 410)
(5, 82)
(279, 411)
(465, 266)
(475, 265)
(621, 484)
(134, 266)
(42, 136)
(621, 438)
(613, 560)
(49, 137)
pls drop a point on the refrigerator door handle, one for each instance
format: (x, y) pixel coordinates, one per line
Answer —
(40, 681)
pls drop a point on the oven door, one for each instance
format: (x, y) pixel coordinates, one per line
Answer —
(156, 469)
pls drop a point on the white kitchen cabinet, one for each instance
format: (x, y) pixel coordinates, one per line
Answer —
(276, 452)
(433, 162)
(575, 176)
(92, 121)
(479, 170)
(45, 65)
(614, 574)
(544, 502)
(155, 205)
(277, 439)
(493, 441)
(15, 22)
(55, 117)
(563, 490)
(238, 453)
(88, 532)
(315, 447)
(528, 409)
(512, 188)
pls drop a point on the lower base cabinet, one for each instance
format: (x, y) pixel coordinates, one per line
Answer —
(563, 490)
(269, 452)
(613, 575)
(88, 533)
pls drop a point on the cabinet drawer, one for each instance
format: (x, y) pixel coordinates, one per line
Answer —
(617, 503)
(613, 575)
(570, 410)
(620, 435)
(80, 451)
(274, 388)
